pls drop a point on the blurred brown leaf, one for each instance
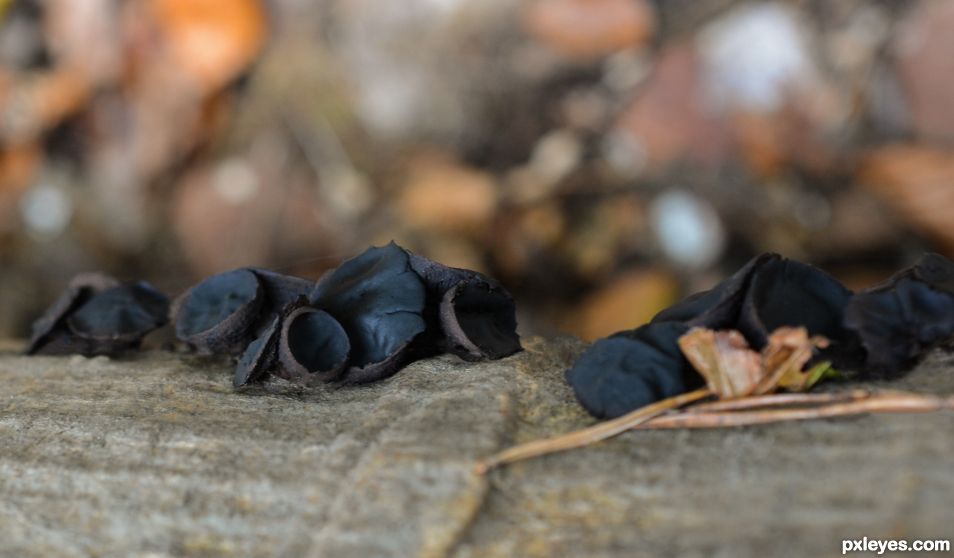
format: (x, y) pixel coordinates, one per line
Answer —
(212, 40)
(925, 65)
(445, 196)
(631, 299)
(917, 183)
(589, 28)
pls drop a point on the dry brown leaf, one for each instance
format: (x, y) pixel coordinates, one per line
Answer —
(916, 183)
(724, 359)
(786, 353)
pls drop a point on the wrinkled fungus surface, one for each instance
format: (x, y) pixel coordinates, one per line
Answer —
(379, 301)
(900, 319)
(632, 369)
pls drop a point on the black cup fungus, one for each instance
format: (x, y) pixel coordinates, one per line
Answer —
(313, 347)
(96, 315)
(468, 314)
(379, 301)
(219, 314)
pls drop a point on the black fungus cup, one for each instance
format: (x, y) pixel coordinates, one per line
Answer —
(900, 319)
(219, 314)
(632, 369)
(379, 301)
(97, 315)
(225, 312)
(770, 292)
(468, 314)
(313, 347)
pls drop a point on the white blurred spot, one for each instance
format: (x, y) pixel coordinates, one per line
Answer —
(235, 181)
(688, 229)
(754, 55)
(46, 211)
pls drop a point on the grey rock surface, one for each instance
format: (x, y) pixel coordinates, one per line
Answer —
(154, 454)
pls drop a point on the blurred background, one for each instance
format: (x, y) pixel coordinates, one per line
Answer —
(601, 157)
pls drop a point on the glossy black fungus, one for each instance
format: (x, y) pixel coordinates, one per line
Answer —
(902, 318)
(219, 314)
(719, 307)
(479, 321)
(768, 292)
(784, 292)
(313, 347)
(259, 357)
(468, 314)
(632, 369)
(97, 316)
(124, 311)
(49, 327)
(379, 300)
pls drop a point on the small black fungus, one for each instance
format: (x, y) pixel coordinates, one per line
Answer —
(98, 316)
(468, 314)
(785, 292)
(79, 290)
(719, 307)
(479, 321)
(379, 300)
(769, 292)
(259, 357)
(219, 314)
(905, 316)
(632, 369)
(313, 347)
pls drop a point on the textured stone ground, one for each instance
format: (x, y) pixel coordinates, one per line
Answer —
(155, 454)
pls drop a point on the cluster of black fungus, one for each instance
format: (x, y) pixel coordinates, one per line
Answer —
(98, 315)
(361, 322)
(880, 331)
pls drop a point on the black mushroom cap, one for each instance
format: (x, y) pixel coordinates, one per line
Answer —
(719, 307)
(259, 357)
(49, 330)
(121, 313)
(379, 301)
(479, 321)
(313, 347)
(906, 315)
(468, 314)
(219, 314)
(785, 292)
(769, 292)
(632, 369)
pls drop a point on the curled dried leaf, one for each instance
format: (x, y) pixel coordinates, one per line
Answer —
(731, 369)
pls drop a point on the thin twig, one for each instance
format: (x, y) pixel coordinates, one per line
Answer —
(590, 435)
(778, 399)
(880, 403)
